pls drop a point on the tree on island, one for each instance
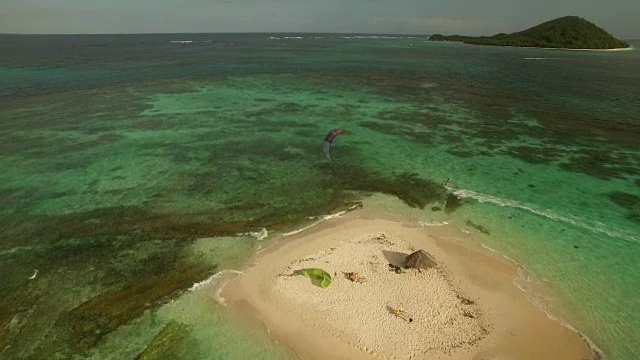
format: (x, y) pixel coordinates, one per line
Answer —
(570, 32)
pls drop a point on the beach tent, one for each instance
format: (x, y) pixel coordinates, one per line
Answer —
(420, 260)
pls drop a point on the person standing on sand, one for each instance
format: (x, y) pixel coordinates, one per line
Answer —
(402, 314)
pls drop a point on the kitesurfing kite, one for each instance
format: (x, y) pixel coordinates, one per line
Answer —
(329, 139)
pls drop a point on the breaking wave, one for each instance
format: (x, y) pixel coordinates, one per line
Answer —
(218, 282)
(343, 37)
(373, 37)
(297, 231)
(545, 58)
(260, 235)
(573, 220)
(322, 218)
(524, 282)
(14, 249)
(434, 223)
(497, 252)
(188, 41)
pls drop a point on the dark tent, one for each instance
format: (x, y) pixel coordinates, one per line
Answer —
(420, 260)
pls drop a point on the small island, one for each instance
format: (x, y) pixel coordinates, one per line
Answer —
(568, 32)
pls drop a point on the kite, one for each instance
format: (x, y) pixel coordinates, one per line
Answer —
(329, 139)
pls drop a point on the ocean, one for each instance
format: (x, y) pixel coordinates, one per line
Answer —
(135, 166)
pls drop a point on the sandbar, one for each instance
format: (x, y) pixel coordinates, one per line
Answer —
(465, 307)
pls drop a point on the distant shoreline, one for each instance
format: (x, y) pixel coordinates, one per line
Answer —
(602, 50)
(537, 47)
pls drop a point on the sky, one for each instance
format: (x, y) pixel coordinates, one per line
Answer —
(467, 17)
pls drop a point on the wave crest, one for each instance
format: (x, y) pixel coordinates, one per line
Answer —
(573, 220)
(218, 282)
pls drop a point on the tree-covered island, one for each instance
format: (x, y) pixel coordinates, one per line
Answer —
(568, 32)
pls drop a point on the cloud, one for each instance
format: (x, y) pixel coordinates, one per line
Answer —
(432, 25)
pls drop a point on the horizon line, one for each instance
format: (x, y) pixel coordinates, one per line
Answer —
(250, 32)
(225, 32)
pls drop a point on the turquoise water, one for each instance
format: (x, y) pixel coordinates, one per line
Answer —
(130, 164)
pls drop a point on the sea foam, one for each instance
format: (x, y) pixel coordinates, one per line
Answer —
(570, 219)
(434, 223)
(322, 218)
(218, 282)
(260, 235)
(524, 283)
(545, 58)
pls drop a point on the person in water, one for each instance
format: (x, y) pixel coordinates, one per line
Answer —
(447, 182)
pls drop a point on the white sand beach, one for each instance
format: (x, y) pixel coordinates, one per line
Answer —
(466, 307)
(603, 50)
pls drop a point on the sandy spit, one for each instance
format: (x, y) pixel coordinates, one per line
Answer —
(467, 307)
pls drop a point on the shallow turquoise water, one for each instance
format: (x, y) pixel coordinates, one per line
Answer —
(118, 153)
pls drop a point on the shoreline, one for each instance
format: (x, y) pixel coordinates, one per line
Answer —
(601, 50)
(287, 314)
(537, 47)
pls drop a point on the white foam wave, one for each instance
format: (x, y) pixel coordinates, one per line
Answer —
(261, 249)
(14, 249)
(327, 217)
(523, 281)
(600, 354)
(496, 252)
(545, 58)
(596, 227)
(371, 37)
(188, 41)
(322, 218)
(260, 235)
(434, 223)
(343, 37)
(218, 282)
(338, 214)
(297, 231)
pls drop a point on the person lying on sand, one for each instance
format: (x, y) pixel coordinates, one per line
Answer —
(354, 276)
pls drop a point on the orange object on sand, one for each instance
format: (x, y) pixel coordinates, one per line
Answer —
(355, 277)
